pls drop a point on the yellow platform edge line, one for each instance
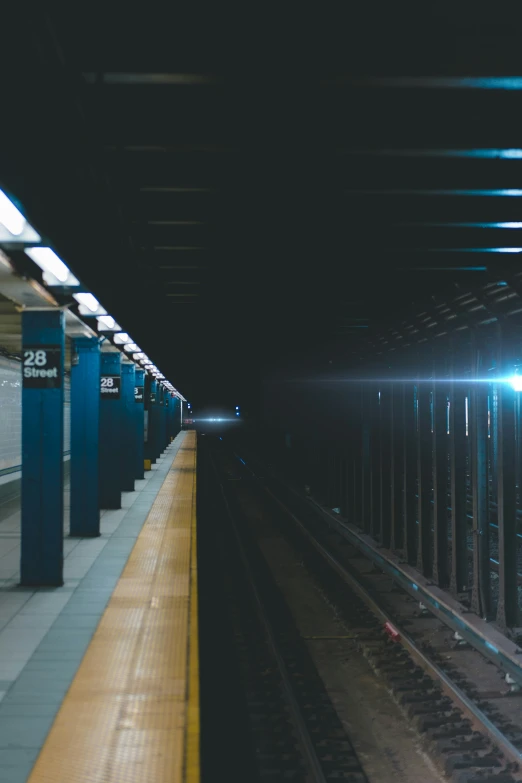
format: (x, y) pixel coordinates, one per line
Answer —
(52, 752)
(192, 725)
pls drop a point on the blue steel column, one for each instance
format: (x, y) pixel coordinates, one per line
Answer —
(42, 448)
(164, 417)
(166, 426)
(170, 415)
(128, 428)
(85, 419)
(158, 441)
(176, 409)
(110, 432)
(176, 413)
(153, 421)
(139, 414)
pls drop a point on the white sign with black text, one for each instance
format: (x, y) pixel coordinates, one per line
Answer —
(110, 387)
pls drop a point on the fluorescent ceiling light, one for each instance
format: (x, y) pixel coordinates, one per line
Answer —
(55, 271)
(121, 338)
(89, 305)
(131, 347)
(10, 217)
(107, 321)
(13, 225)
(138, 356)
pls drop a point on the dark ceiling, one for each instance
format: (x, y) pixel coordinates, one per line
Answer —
(247, 193)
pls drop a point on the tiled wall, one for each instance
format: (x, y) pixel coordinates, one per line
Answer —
(11, 414)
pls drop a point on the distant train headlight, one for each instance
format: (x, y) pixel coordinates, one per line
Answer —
(516, 382)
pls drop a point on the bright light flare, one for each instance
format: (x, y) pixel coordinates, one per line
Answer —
(516, 382)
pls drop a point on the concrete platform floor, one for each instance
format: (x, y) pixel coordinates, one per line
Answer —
(44, 633)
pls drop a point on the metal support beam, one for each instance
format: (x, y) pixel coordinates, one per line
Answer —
(507, 607)
(386, 488)
(366, 498)
(85, 423)
(478, 421)
(409, 472)
(397, 468)
(43, 349)
(458, 452)
(440, 485)
(424, 479)
(375, 421)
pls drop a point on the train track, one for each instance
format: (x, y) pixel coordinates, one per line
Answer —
(471, 723)
(295, 731)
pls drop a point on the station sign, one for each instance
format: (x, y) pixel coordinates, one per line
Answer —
(41, 367)
(138, 393)
(110, 387)
(153, 396)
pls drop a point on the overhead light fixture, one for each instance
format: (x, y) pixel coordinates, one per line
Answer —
(10, 216)
(129, 347)
(13, 225)
(161, 377)
(89, 305)
(55, 272)
(138, 356)
(107, 323)
(121, 338)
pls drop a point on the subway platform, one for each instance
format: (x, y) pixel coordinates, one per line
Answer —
(99, 679)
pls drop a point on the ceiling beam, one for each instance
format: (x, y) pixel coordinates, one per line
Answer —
(431, 82)
(180, 223)
(509, 192)
(178, 247)
(173, 189)
(508, 153)
(113, 78)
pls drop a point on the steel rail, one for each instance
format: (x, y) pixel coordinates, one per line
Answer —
(474, 713)
(303, 734)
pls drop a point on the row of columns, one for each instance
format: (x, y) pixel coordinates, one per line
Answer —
(121, 422)
(434, 470)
